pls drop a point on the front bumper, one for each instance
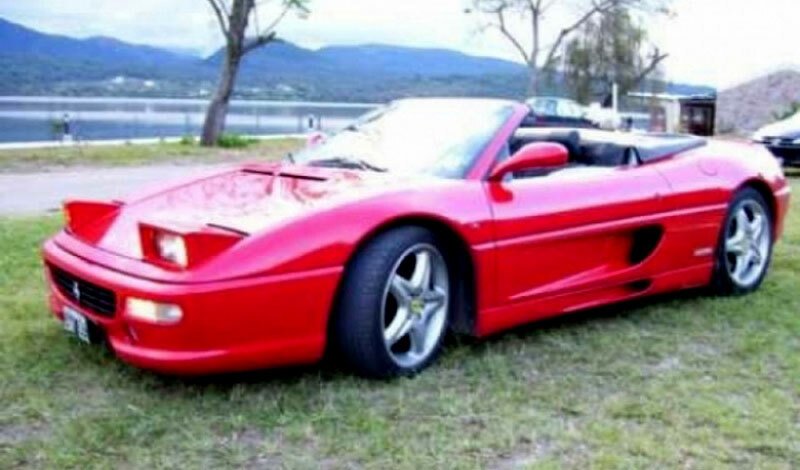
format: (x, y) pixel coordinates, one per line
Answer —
(227, 326)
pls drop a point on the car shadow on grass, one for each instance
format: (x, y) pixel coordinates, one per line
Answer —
(331, 370)
(639, 307)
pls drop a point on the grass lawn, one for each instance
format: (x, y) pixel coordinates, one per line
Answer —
(685, 381)
(138, 154)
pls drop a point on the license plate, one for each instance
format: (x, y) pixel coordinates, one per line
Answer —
(76, 324)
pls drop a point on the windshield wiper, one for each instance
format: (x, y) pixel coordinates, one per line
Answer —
(347, 162)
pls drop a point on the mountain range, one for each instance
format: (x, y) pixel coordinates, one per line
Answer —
(35, 63)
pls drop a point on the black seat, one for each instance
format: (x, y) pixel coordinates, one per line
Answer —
(603, 154)
(569, 139)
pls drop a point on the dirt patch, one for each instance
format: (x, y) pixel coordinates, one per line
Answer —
(15, 434)
(528, 454)
(666, 365)
(269, 451)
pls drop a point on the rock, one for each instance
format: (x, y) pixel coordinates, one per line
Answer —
(746, 107)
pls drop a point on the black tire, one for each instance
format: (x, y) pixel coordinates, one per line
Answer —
(722, 281)
(357, 325)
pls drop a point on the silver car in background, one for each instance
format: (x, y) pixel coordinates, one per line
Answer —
(782, 138)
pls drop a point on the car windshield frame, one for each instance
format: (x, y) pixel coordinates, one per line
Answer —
(430, 137)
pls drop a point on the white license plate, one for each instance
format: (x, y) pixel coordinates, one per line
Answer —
(76, 324)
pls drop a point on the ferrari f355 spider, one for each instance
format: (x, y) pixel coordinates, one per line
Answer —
(424, 217)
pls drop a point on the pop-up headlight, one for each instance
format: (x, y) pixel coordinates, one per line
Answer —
(171, 247)
(182, 247)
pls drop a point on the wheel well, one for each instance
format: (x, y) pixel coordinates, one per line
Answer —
(459, 257)
(766, 192)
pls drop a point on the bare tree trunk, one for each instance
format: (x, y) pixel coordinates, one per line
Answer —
(214, 124)
(533, 82)
(233, 18)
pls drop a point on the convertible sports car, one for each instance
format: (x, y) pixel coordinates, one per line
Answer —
(424, 217)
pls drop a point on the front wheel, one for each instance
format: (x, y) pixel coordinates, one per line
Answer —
(393, 308)
(745, 245)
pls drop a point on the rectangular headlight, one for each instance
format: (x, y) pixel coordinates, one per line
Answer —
(172, 248)
(153, 312)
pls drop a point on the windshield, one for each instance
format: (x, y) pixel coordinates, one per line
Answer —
(431, 137)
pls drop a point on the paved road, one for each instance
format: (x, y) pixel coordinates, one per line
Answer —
(117, 142)
(37, 193)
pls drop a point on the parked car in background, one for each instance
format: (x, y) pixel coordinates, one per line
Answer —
(558, 112)
(782, 138)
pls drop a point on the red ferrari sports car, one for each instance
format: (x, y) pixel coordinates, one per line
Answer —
(423, 217)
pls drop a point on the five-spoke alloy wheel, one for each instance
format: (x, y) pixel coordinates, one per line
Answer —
(415, 305)
(394, 305)
(745, 246)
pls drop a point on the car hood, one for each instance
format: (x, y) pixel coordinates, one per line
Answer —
(245, 200)
(788, 128)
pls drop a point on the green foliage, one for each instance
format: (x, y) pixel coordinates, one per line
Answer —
(139, 154)
(57, 127)
(234, 141)
(608, 49)
(788, 112)
(187, 140)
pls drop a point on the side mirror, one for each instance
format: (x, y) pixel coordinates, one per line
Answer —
(530, 157)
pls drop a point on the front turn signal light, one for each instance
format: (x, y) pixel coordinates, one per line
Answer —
(153, 312)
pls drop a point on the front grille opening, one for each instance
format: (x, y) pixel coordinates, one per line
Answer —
(96, 299)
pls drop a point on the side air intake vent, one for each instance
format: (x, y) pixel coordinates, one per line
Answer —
(645, 242)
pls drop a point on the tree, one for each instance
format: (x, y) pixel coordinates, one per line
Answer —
(609, 49)
(787, 112)
(234, 18)
(529, 43)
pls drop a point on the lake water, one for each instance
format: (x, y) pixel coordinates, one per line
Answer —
(26, 119)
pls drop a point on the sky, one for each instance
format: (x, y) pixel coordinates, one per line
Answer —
(712, 42)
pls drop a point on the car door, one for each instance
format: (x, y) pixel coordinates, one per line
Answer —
(581, 234)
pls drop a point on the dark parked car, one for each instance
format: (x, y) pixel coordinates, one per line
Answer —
(782, 139)
(557, 112)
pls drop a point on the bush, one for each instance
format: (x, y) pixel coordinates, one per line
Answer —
(229, 141)
(786, 113)
(187, 140)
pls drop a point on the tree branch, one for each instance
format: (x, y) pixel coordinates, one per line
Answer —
(221, 13)
(655, 60)
(268, 35)
(505, 32)
(258, 41)
(534, 8)
(543, 7)
(601, 7)
(278, 19)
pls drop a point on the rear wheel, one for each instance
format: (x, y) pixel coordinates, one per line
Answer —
(393, 309)
(745, 245)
